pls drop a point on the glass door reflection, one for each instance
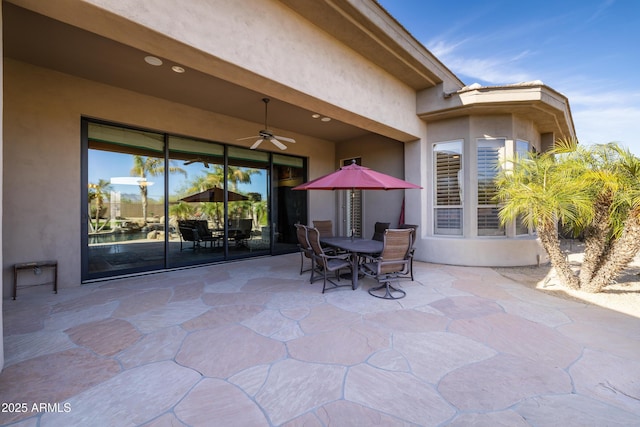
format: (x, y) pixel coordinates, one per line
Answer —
(248, 214)
(196, 202)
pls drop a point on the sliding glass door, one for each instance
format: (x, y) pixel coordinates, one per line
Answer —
(155, 201)
(196, 202)
(124, 201)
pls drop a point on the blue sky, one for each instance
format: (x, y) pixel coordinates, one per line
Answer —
(588, 50)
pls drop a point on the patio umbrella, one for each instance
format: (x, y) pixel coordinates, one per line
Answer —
(214, 194)
(355, 177)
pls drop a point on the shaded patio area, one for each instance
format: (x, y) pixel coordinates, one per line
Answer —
(252, 343)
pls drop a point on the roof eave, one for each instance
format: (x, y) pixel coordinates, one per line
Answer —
(548, 108)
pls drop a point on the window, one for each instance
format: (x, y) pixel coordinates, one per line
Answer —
(521, 150)
(448, 188)
(490, 160)
(352, 202)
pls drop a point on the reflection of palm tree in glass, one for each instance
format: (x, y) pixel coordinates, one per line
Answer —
(152, 166)
(235, 175)
(98, 192)
(181, 210)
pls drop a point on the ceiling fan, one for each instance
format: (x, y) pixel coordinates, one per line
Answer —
(197, 160)
(266, 134)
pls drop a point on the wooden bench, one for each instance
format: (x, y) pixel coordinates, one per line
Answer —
(35, 266)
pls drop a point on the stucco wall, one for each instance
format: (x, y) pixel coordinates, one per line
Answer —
(42, 182)
(253, 43)
(383, 155)
(470, 249)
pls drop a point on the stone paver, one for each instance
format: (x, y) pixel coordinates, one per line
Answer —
(253, 343)
(105, 337)
(287, 392)
(217, 402)
(497, 383)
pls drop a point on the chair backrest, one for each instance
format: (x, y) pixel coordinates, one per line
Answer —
(246, 225)
(203, 228)
(378, 231)
(415, 229)
(314, 240)
(324, 227)
(303, 240)
(397, 243)
(187, 233)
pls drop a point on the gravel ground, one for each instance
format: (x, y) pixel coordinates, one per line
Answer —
(622, 296)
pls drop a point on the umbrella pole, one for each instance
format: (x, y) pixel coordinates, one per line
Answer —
(353, 198)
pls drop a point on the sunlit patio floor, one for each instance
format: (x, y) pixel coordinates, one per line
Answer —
(252, 343)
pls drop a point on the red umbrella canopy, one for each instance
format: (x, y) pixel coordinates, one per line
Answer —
(356, 177)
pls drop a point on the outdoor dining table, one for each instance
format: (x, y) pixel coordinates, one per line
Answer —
(355, 246)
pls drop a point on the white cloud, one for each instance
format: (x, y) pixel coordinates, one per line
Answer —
(602, 109)
(602, 115)
(493, 70)
(602, 125)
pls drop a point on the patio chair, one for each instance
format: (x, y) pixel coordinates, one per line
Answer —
(204, 234)
(195, 231)
(392, 264)
(187, 234)
(378, 231)
(413, 241)
(306, 251)
(240, 232)
(378, 234)
(324, 227)
(325, 263)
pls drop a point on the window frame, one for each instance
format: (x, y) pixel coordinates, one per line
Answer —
(485, 191)
(447, 213)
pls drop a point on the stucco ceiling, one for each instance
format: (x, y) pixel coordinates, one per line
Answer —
(39, 40)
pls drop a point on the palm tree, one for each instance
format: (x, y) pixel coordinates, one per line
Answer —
(619, 240)
(98, 192)
(593, 191)
(151, 166)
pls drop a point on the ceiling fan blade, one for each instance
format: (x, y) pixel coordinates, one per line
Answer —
(278, 144)
(246, 137)
(284, 138)
(255, 144)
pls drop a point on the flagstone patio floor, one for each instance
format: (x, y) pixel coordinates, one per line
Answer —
(252, 343)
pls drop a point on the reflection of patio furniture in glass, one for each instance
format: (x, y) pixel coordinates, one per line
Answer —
(240, 232)
(306, 251)
(393, 263)
(325, 264)
(196, 231)
(187, 234)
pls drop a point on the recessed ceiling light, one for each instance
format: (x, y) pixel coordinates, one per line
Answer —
(152, 60)
(325, 119)
(177, 69)
(316, 116)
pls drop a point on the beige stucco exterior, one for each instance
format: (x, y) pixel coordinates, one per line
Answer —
(353, 63)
